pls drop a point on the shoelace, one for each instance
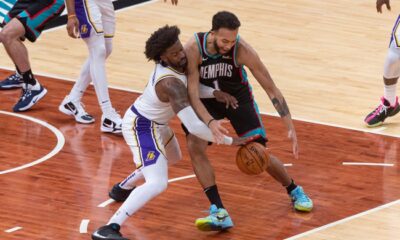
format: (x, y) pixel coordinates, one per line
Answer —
(25, 94)
(302, 197)
(14, 77)
(380, 109)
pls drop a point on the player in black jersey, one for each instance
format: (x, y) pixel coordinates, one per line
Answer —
(216, 61)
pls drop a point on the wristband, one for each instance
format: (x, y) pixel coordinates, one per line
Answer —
(71, 16)
(208, 124)
(228, 140)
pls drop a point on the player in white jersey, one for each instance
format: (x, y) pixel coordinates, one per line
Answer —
(389, 105)
(94, 22)
(146, 130)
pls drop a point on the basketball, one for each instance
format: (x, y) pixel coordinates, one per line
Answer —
(252, 158)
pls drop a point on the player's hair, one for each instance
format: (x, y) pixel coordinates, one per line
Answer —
(160, 41)
(225, 19)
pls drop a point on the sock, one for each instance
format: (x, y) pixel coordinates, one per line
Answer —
(213, 196)
(291, 187)
(17, 71)
(28, 78)
(390, 94)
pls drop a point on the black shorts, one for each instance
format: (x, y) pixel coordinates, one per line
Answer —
(34, 15)
(245, 119)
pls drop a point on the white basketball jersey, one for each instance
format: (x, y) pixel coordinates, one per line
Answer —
(148, 104)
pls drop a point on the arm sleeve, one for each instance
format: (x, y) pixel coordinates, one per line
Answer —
(206, 91)
(196, 127)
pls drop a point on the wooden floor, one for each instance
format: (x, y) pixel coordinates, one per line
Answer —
(326, 57)
(50, 200)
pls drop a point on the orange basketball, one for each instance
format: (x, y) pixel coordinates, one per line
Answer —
(252, 158)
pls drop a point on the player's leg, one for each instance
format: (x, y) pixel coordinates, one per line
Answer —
(21, 24)
(154, 167)
(71, 104)
(219, 218)
(121, 190)
(389, 105)
(246, 121)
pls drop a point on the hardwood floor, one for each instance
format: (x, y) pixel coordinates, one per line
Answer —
(50, 200)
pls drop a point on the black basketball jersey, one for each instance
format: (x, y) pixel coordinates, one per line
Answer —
(222, 72)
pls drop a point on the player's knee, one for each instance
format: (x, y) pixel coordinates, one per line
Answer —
(98, 52)
(195, 144)
(109, 47)
(158, 186)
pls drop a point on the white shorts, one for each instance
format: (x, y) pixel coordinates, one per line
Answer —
(95, 17)
(146, 138)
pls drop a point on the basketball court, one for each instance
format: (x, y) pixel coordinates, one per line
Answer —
(327, 59)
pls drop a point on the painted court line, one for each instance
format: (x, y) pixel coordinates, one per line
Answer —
(106, 203)
(367, 130)
(344, 220)
(56, 149)
(369, 164)
(109, 201)
(12, 229)
(84, 225)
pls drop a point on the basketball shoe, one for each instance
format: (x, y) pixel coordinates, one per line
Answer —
(75, 109)
(29, 97)
(301, 201)
(218, 220)
(383, 111)
(119, 194)
(108, 232)
(111, 123)
(12, 81)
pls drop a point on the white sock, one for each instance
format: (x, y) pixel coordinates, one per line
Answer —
(156, 176)
(390, 94)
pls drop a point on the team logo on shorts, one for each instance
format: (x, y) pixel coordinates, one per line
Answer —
(84, 29)
(150, 156)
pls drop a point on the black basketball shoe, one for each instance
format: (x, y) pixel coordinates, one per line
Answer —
(383, 111)
(119, 194)
(108, 232)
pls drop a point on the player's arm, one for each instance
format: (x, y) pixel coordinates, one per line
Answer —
(73, 23)
(247, 56)
(379, 4)
(172, 90)
(193, 75)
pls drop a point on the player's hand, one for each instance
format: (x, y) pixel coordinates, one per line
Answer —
(379, 4)
(73, 26)
(237, 141)
(174, 2)
(218, 130)
(226, 98)
(295, 147)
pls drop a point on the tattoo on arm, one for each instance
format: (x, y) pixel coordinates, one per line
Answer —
(177, 94)
(281, 107)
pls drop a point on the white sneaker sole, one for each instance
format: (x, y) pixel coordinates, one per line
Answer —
(62, 109)
(34, 100)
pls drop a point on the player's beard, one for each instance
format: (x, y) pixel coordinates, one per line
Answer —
(218, 49)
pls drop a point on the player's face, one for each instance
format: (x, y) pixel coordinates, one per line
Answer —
(175, 56)
(224, 40)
